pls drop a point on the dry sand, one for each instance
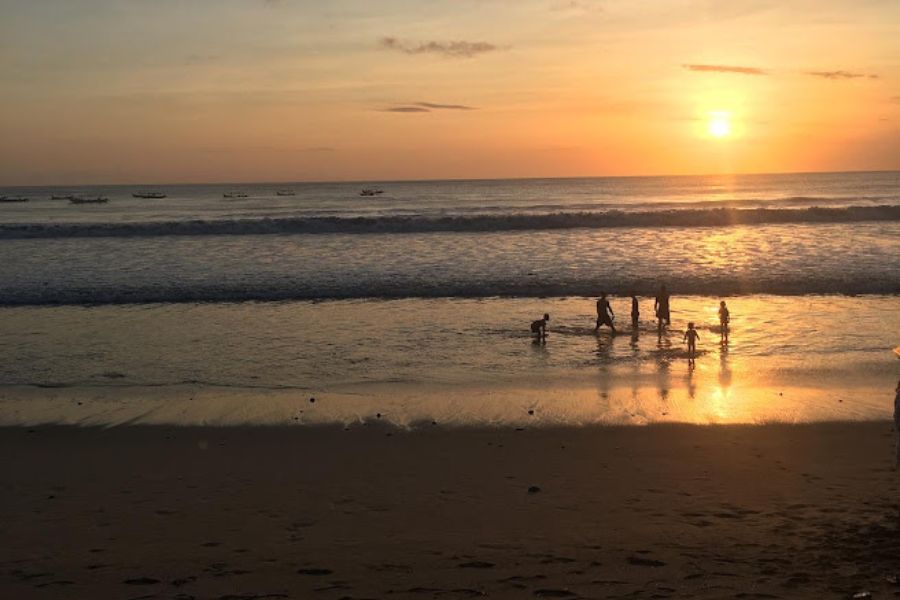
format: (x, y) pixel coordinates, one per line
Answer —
(775, 511)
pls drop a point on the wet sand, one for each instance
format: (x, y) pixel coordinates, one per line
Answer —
(662, 511)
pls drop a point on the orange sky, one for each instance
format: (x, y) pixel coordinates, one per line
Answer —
(103, 91)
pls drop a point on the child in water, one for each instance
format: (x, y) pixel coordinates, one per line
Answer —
(724, 319)
(539, 328)
(691, 336)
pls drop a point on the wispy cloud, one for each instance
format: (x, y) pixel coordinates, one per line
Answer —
(450, 49)
(423, 107)
(443, 106)
(405, 109)
(725, 69)
(834, 75)
(841, 75)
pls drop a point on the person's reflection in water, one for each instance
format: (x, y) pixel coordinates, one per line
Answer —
(724, 367)
(604, 350)
(663, 346)
(662, 339)
(691, 384)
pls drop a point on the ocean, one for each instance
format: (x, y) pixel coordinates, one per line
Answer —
(412, 306)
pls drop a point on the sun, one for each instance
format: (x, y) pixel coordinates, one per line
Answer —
(719, 124)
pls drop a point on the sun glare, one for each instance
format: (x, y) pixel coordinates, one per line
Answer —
(719, 124)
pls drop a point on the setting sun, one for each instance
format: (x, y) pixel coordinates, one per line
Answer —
(719, 125)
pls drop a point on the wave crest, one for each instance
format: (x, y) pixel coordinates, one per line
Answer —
(708, 217)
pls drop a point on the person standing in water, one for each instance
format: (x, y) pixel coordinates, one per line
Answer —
(539, 328)
(605, 314)
(635, 312)
(724, 320)
(691, 336)
(661, 306)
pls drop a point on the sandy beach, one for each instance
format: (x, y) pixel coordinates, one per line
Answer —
(662, 511)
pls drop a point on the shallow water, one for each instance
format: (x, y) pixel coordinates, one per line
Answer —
(452, 360)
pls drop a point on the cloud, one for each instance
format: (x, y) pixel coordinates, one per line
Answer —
(450, 49)
(756, 71)
(725, 69)
(443, 106)
(423, 107)
(406, 109)
(840, 75)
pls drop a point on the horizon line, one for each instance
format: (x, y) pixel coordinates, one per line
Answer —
(452, 179)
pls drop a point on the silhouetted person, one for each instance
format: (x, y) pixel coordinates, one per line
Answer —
(539, 328)
(605, 313)
(661, 306)
(724, 320)
(635, 312)
(691, 336)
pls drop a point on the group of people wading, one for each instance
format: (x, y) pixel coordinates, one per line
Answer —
(606, 316)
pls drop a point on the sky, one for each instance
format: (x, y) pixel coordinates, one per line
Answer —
(140, 91)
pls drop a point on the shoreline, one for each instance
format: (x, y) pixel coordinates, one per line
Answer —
(663, 510)
(673, 399)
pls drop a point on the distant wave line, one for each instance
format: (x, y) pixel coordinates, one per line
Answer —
(857, 284)
(397, 224)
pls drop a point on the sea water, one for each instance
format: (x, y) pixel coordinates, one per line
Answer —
(413, 306)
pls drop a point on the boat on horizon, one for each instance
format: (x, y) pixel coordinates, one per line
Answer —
(89, 200)
(234, 195)
(370, 192)
(65, 197)
(14, 199)
(285, 193)
(152, 195)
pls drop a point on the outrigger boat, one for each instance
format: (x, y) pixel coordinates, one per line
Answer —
(285, 193)
(66, 197)
(153, 195)
(13, 199)
(234, 195)
(370, 192)
(94, 200)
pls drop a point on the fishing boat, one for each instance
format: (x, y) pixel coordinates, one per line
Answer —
(370, 192)
(234, 195)
(13, 199)
(285, 193)
(151, 195)
(89, 200)
(65, 197)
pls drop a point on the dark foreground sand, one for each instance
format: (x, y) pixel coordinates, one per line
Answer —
(632, 512)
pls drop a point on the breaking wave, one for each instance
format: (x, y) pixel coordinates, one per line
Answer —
(397, 224)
